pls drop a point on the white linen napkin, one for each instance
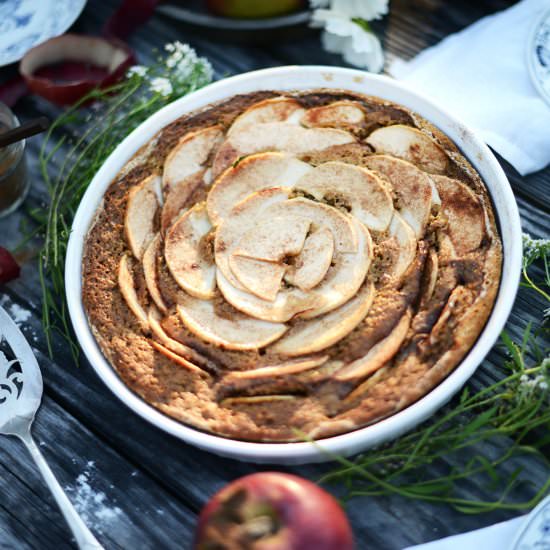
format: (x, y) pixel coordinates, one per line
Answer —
(496, 537)
(480, 75)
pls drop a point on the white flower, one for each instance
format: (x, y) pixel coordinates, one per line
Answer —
(138, 70)
(161, 85)
(341, 35)
(362, 9)
(316, 4)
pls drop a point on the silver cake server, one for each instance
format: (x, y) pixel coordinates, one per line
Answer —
(20, 396)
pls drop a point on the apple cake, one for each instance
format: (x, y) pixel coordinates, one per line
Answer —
(288, 264)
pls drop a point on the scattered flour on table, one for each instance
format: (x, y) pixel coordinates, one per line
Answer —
(19, 314)
(90, 504)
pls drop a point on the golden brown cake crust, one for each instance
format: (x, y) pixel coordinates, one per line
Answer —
(444, 316)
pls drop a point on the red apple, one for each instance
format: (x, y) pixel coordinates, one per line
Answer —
(8, 266)
(253, 9)
(273, 511)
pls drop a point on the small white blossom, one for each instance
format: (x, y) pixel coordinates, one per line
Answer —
(161, 85)
(534, 248)
(138, 70)
(316, 4)
(342, 35)
(362, 9)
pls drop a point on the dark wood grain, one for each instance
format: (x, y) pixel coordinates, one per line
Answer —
(157, 482)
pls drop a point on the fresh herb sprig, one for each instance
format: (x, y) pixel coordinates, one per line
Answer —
(514, 410)
(77, 144)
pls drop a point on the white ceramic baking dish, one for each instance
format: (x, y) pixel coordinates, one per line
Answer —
(302, 78)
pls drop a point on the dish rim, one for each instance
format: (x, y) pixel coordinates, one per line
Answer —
(304, 78)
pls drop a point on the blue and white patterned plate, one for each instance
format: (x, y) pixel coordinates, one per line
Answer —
(538, 53)
(26, 23)
(535, 531)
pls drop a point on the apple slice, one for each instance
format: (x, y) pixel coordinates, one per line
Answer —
(186, 254)
(410, 144)
(412, 187)
(353, 188)
(177, 197)
(258, 276)
(274, 238)
(340, 114)
(178, 359)
(464, 213)
(127, 288)
(189, 155)
(235, 331)
(282, 369)
(277, 109)
(149, 264)
(177, 347)
(404, 252)
(141, 210)
(277, 136)
(256, 172)
(378, 355)
(313, 262)
(256, 399)
(320, 333)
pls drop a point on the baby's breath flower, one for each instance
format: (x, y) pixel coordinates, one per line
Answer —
(138, 70)
(534, 248)
(161, 86)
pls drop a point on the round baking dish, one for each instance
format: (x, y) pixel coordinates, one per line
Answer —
(303, 78)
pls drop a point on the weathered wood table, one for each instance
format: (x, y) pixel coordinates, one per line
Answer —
(137, 487)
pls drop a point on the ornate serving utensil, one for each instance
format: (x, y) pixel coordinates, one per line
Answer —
(20, 396)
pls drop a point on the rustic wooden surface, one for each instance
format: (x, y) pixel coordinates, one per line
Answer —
(140, 488)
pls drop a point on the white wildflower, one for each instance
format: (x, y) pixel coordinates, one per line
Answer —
(316, 4)
(342, 35)
(361, 9)
(138, 70)
(161, 85)
(534, 248)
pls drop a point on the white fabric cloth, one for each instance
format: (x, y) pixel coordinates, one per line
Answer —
(480, 75)
(495, 537)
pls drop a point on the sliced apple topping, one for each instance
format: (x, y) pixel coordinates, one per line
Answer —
(274, 239)
(149, 264)
(311, 265)
(231, 331)
(351, 256)
(277, 109)
(403, 254)
(320, 333)
(258, 276)
(177, 198)
(410, 144)
(464, 213)
(245, 216)
(128, 290)
(256, 399)
(340, 114)
(178, 359)
(378, 355)
(412, 187)
(187, 253)
(294, 366)
(141, 211)
(352, 188)
(277, 136)
(256, 172)
(177, 347)
(189, 156)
